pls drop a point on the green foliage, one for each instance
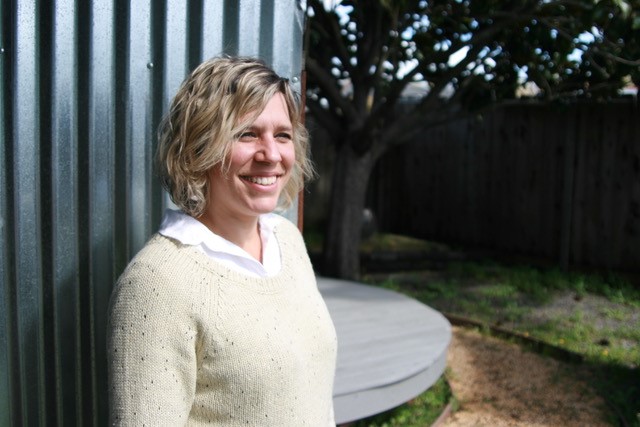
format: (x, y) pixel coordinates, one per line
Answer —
(419, 412)
(313, 240)
(396, 243)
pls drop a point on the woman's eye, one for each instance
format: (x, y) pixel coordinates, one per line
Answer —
(286, 137)
(247, 136)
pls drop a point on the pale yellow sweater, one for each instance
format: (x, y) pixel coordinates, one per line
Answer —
(192, 342)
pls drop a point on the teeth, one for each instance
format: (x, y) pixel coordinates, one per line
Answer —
(261, 180)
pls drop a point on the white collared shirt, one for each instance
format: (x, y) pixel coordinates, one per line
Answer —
(189, 231)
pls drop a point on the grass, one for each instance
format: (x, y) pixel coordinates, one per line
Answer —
(419, 412)
(397, 243)
(510, 296)
(547, 304)
(596, 315)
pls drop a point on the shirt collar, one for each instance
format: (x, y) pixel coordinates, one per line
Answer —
(189, 231)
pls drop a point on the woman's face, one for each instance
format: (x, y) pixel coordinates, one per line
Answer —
(260, 164)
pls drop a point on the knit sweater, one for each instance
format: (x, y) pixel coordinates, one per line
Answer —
(192, 342)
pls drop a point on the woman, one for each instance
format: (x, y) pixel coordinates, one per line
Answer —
(217, 320)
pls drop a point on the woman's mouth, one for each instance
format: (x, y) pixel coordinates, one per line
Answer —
(261, 180)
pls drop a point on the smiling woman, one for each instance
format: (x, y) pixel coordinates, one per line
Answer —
(218, 319)
(258, 168)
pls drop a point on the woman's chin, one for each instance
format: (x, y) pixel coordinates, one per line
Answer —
(264, 207)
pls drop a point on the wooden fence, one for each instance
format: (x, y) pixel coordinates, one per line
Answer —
(560, 182)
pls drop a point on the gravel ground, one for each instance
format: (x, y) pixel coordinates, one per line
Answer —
(501, 384)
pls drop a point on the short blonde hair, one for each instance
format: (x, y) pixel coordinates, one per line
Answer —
(217, 101)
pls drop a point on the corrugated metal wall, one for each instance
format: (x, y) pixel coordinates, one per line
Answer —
(83, 87)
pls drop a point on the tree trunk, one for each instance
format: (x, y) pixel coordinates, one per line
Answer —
(341, 256)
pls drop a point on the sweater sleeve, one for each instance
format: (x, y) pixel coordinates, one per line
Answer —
(152, 341)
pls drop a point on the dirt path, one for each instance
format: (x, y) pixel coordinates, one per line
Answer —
(500, 384)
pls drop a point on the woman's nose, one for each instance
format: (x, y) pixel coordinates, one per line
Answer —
(268, 150)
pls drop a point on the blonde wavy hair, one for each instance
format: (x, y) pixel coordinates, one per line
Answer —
(213, 106)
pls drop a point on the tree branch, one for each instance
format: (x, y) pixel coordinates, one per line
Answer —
(326, 23)
(330, 89)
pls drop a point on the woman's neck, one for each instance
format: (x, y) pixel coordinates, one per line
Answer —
(243, 232)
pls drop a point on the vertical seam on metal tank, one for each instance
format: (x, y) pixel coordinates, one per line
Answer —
(230, 27)
(14, 396)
